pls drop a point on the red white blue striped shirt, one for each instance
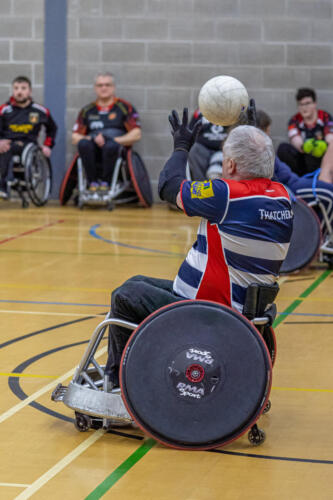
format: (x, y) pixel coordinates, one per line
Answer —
(243, 238)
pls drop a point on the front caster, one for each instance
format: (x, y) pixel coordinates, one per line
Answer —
(256, 436)
(82, 422)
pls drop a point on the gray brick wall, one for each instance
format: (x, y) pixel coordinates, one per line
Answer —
(162, 51)
(21, 44)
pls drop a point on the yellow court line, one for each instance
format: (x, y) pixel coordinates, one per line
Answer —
(59, 466)
(300, 389)
(43, 313)
(28, 375)
(9, 413)
(15, 485)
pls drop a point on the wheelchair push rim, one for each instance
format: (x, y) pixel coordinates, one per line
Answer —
(195, 375)
(140, 178)
(37, 174)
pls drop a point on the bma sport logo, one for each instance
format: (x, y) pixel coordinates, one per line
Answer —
(190, 390)
(198, 355)
(275, 214)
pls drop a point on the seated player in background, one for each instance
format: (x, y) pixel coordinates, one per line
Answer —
(21, 120)
(243, 236)
(307, 189)
(101, 128)
(207, 150)
(310, 133)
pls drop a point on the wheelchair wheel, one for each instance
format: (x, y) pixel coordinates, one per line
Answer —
(195, 375)
(140, 178)
(305, 238)
(37, 174)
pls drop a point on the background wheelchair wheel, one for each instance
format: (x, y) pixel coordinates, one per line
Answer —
(38, 176)
(305, 238)
(140, 178)
(206, 377)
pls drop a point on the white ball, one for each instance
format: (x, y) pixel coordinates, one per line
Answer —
(222, 99)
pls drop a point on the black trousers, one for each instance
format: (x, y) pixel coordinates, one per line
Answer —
(134, 301)
(92, 154)
(300, 163)
(16, 148)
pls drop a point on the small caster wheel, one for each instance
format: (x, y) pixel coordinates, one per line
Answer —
(256, 436)
(80, 205)
(82, 422)
(110, 206)
(267, 407)
(25, 204)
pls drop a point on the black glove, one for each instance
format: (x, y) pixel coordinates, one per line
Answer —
(183, 135)
(252, 113)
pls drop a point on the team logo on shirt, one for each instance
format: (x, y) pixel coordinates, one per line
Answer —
(112, 116)
(202, 189)
(33, 118)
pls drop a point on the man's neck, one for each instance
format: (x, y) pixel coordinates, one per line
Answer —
(311, 119)
(104, 103)
(23, 104)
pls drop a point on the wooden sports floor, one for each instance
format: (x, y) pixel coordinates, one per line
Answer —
(57, 268)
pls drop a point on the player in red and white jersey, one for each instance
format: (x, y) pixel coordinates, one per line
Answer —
(310, 133)
(243, 235)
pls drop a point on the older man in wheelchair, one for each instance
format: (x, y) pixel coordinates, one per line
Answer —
(196, 374)
(24, 165)
(103, 133)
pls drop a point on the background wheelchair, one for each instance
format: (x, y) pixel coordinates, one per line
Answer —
(31, 174)
(194, 374)
(130, 183)
(310, 238)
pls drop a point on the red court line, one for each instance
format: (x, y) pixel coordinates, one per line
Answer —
(40, 228)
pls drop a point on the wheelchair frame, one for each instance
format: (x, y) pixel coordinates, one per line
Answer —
(91, 394)
(25, 168)
(120, 183)
(326, 247)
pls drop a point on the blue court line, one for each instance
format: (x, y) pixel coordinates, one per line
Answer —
(93, 233)
(107, 305)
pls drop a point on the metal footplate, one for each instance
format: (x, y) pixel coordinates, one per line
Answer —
(95, 403)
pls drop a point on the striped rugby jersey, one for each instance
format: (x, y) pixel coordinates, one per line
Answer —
(243, 238)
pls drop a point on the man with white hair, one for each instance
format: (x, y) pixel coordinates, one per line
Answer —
(243, 236)
(101, 128)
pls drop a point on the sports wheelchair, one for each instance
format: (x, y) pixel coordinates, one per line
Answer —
(130, 183)
(310, 238)
(194, 375)
(31, 173)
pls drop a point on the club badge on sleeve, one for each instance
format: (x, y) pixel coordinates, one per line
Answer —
(202, 189)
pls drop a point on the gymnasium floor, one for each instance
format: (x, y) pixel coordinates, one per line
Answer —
(58, 266)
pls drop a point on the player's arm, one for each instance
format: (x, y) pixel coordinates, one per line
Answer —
(294, 135)
(51, 131)
(80, 129)
(130, 137)
(173, 173)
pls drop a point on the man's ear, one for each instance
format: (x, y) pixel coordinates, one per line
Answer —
(232, 167)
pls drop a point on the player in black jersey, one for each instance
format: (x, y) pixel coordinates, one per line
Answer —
(206, 153)
(21, 120)
(101, 128)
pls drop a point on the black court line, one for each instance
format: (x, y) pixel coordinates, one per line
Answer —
(271, 457)
(14, 384)
(38, 332)
(300, 279)
(15, 387)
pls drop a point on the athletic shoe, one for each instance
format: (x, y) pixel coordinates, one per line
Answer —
(93, 186)
(3, 195)
(103, 186)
